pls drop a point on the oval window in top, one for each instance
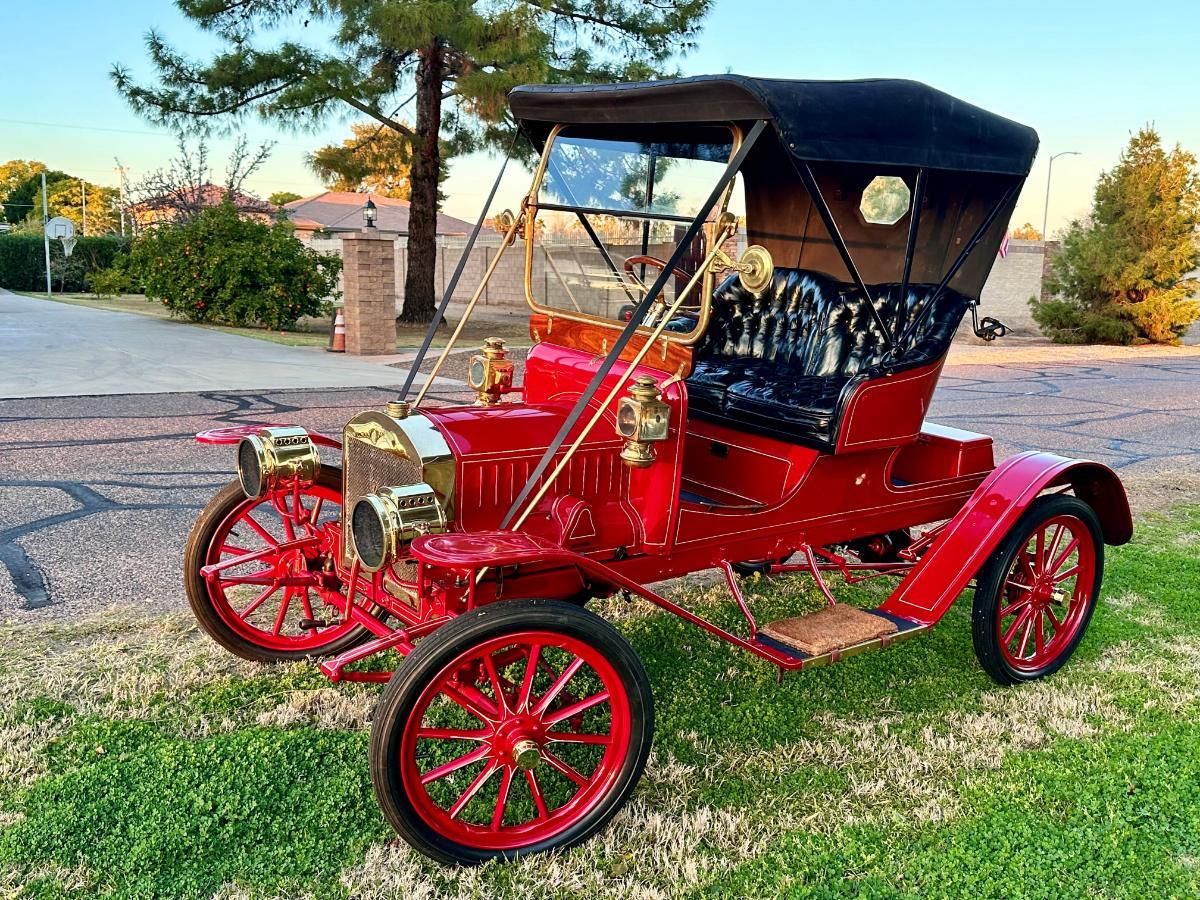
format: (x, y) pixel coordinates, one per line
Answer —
(885, 200)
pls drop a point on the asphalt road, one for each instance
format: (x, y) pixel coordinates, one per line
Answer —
(97, 493)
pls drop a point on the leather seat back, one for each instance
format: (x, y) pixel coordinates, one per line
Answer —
(814, 325)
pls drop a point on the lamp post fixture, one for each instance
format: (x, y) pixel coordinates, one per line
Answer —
(1049, 172)
(370, 213)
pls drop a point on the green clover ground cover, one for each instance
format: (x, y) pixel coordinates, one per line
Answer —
(136, 760)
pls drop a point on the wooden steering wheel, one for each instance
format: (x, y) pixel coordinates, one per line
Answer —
(654, 261)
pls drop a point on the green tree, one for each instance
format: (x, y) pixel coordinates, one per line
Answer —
(25, 198)
(280, 198)
(457, 59)
(1121, 275)
(374, 159)
(16, 172)
(224, 267)
(66, 198)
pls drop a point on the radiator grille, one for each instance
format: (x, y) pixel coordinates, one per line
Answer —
(366, 468)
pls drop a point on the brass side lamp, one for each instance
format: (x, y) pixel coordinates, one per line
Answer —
(490, 373)
(642, 420)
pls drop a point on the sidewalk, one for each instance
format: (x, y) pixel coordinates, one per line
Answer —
(55, 349)
(1004, 351)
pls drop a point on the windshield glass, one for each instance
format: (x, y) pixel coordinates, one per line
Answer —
(608, 209)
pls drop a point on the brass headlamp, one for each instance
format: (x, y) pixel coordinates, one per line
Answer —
(642, 419)
(275, 455)
(490, 373)
(381, 524)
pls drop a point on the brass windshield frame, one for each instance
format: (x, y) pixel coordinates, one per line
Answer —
(708, 284)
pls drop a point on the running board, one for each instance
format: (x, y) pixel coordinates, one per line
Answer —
(798, 659)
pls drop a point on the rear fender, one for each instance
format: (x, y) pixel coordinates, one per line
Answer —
(234, 433)
(978, 528)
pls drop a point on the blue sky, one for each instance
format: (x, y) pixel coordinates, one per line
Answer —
(1084, 74)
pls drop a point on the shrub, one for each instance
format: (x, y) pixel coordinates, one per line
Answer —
(1121, 275)
(23, 261)
(109, 282)
(221, 267)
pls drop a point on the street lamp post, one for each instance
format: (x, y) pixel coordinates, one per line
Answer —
(1049, 172)
(370, 213)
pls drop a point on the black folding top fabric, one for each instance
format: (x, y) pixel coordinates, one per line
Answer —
(879, 121)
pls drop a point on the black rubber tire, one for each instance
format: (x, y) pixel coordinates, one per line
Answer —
(436, 651)
(989, 593)
(194, 555)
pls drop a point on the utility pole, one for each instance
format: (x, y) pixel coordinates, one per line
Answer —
(121, 170)
(83, 195)
(1049, 172)
(46, 234)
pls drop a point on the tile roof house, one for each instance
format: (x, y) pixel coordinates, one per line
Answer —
(341, 211)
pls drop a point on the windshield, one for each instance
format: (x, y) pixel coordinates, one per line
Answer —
(610, 209)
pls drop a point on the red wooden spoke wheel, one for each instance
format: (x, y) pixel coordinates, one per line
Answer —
(517, 728)
(283, 602)
(1037, 592)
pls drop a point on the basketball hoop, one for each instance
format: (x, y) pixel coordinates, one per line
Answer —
(68, 244)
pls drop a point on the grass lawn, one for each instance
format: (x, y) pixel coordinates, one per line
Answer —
(309, 332)
(136, 760)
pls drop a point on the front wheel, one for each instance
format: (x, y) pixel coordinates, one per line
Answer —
(1035, 595)
(517, 728)
(284, 604)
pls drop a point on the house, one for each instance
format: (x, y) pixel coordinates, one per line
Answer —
(335, 212)
(183, 203)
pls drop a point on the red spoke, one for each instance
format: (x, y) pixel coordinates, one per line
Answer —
(262, 532)
(1062, 557)
(455, 764)
(283, 610)
(536, 790)
(1052, 551)
(1039, 639)
(502, 799)
(258, 601)
(473, 789)
(1039, 548)
(563, 768)
(1015, 624)
(531, 667)
(575, 708)
(559, 683)
(571, 737)
(453, 734)
(235, 549)
(1063, 576)
(1025, 638)
(1013, 607)
(1057, 624)
(489, 666)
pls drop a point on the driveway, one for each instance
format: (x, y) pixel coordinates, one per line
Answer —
(50, 349)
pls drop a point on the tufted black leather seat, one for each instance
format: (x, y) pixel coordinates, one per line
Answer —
(780, 362)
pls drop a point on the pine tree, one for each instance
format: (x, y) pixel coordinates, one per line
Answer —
(1121, 275)
(455, 60)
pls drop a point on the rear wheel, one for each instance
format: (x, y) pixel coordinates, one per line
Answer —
(1037, 592)
(517, 728)
(282, 605)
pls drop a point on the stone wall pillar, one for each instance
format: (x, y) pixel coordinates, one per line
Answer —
(369, 283)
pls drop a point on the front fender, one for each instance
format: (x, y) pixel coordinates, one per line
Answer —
(234, 433)
(974, 533)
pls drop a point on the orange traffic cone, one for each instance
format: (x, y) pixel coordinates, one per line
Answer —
(337, 337)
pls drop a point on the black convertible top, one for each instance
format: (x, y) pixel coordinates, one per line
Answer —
(880, 121)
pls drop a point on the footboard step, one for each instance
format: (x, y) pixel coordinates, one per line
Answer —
(832, 629)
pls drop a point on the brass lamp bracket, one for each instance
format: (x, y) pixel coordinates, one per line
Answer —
(755, 268)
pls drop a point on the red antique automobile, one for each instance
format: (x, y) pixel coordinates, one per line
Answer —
(684, 407)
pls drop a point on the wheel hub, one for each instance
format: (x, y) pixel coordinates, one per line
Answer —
(526, 754)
